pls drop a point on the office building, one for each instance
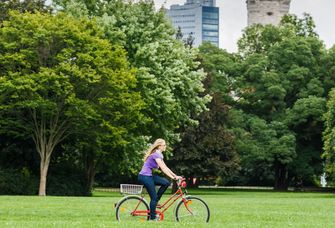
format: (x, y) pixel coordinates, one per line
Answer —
(198, 19)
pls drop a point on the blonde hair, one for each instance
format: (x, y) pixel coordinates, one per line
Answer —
(153, 147)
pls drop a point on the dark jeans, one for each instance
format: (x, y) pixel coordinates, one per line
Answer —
(149, 183)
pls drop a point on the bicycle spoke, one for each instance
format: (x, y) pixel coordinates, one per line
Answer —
(125, 210)
(132, 209)
(193, 211)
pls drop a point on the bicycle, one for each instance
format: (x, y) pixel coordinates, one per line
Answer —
(134, 207)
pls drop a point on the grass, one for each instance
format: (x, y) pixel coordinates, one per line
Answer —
(228, 209)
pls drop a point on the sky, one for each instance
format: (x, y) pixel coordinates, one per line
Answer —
(233, 18)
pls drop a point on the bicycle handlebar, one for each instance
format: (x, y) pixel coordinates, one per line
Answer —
(181, 182)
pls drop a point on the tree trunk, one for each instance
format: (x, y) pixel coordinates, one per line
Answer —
(46, 137)
(43, 178)
(89, 172)
(48, 132)
(45, 150)
(281, 177)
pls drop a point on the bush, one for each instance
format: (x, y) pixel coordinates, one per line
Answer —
(65, 185)
(21, 182)
(18, 182)
(65, 179)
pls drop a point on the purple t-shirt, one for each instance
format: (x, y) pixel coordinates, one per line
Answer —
(151, 163)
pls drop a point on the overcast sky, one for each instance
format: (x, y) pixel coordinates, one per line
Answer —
(233, 18)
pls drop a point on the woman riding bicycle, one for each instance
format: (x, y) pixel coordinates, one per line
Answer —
(153, 159)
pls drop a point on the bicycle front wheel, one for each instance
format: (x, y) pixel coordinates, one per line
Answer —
(132, 208)
(193, 209)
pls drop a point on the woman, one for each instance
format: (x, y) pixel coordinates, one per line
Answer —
(153, 159)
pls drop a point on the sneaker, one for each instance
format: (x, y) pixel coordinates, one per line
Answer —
(155, 219)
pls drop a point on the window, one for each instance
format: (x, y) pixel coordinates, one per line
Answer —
(210, 15)
(187, 27)
(208, 38)
(210, 33)
(210, 21)
(210, 27)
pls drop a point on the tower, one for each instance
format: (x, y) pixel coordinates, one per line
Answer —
(267, 11)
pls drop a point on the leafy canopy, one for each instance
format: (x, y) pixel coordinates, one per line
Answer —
(169, 78)
(59, 77)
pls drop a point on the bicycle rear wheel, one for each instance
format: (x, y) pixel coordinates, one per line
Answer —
(132, 208)
(193, 210)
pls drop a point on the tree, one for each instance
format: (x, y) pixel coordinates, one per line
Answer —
(259, 38)
(168, 73)
(281, 81)
(328, 132)
(303, 27)
(329, 137)
(59, 78)
(22, 6)
(179, 34)
(263, 148)
(208, 150)
(189, 42)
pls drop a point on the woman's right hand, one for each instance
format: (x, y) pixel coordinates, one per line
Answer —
(178, 177)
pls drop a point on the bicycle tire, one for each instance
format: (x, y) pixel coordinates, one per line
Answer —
(127, 205)
(196, 211)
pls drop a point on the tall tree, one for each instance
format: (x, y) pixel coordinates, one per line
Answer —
(281, 80)
(329, 117)
(59, 78)
(168, 74)
(328, 133)
(329, 138)
(263, 147)
(208, 150)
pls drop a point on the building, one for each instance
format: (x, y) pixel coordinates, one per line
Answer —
(198, 19)
(267, 11)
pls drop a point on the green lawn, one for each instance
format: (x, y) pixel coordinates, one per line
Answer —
(228, 209)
